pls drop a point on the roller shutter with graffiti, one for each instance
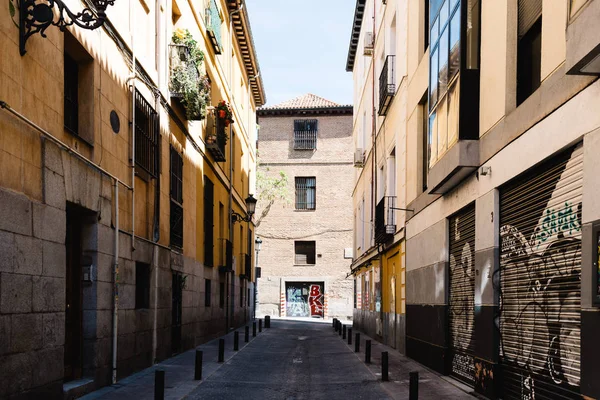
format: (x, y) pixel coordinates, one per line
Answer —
(540, 280)
(304, 299)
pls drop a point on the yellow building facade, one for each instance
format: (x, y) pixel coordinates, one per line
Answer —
(123, 196)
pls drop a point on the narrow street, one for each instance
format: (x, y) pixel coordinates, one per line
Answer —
(291, 360)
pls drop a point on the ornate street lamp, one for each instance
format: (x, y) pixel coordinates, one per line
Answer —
(250, 206)
(36, 16)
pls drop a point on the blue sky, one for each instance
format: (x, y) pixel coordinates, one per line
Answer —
(302, 47)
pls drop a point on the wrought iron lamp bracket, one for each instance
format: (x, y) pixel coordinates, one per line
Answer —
(235, 217)
(36, 16)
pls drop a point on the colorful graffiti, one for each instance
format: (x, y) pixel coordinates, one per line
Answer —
(304, 299)
(315, 301)
(539, 285)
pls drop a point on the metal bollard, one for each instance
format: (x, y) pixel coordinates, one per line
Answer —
(254, 329)
(413, 389)
(349, 335)
(236, 341)
(247, 334)
(260, 325)
(368, 352)
(267, 321)
(159, 384)
(344, 332)
(333, 322)
(221, 350)
(357, 342)
(198, 369)
(340, 329)
(384, 366)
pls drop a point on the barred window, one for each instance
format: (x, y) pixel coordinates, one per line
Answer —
(176, 199)
(306, 192)
(305, 134)
(146, 136)
(71, 95)
(304, 252)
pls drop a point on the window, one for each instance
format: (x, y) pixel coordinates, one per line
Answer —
(305, 134)
(529, 51)
(426, 25)
(425, 142)
(221, 294)
(445, 62)
(207, 292)
(78, 90)
(142, 285)
(71, 95)
(306, 188)
(176, 199)
(209, 195)
(248, 297)
(241, 293)
(146, 136)
(304, 252)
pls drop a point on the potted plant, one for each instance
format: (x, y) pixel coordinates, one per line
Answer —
(186, 81)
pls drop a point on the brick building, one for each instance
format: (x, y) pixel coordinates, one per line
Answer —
(307, 241)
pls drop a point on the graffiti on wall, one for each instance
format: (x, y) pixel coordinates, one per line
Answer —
(461, 302)
(315, 301)
(539, 284)
(304, 299)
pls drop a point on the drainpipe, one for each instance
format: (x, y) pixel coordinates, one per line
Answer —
(132, 27)
(231, 291)
(115, 320)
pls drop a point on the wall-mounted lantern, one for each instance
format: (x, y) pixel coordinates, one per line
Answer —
(250, 206)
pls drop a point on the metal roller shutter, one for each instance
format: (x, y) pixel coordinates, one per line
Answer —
(462, 291)
(540, 280)
(529, 12)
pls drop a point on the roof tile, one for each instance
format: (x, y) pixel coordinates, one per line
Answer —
(306, 101)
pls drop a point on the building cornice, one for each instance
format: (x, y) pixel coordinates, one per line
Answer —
(243, 33)
(339, 110)
(355, 33)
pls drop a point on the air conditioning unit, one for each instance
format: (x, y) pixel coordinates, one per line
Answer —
(359, 158)
(369, 42)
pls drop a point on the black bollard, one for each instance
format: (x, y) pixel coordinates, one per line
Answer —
(368, 352)
(254, 329)
(357, 343)
(159, 384)
(333, 322)
(340, 329)
(221, 350)
(344, 332)
(349, 335)
(260, 325)
(267, 321)
(198, 369)
(247, 334)
(413, 391)
(236, 341)
(384, 366)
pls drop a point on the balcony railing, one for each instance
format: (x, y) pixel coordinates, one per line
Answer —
(385, 222)
(216, 137)
(305, 140)
(387, 84)
(213, 26)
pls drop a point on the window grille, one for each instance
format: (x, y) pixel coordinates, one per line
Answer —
(142, 285)
(71, 117)
(207, 292)
(305, 134)
(304, 252)
(208, 222)
(306, 189)
(146, 136)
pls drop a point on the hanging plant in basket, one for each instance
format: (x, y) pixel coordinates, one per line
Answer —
(187, 83)
(223, 111)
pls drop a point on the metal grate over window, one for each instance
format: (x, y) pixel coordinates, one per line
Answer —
(176, 161)
(146, 136)
(306, 192)
(305, 134)
(71, 95)
(304, 252)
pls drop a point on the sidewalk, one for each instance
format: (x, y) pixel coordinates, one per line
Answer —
(431, 384)
(179, 372)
